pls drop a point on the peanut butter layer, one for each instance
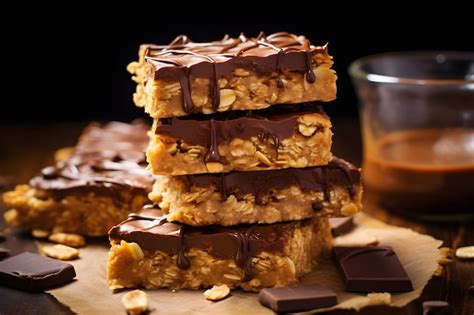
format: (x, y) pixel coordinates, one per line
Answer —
(147, 250)
(89, 191)
(283, 137)
(185, 78)
(260, 197)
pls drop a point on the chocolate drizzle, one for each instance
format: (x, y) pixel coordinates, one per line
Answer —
(150, 229)
(212, 154)
(182, 260)
(210, 131)
(107, 158)
(185, 60)
(261, 183)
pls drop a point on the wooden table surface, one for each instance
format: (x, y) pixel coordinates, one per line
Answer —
(25, 149)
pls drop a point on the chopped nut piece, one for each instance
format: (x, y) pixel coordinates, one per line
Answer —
(227, 97)
(218, 292)
(61, 252)
(136, 302)
(40, 233)
(74, 240)
(349, 209)
(466, 252)
(262, 158)
(307, 131)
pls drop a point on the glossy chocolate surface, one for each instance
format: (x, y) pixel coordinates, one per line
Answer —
(32, 272)
(107, 158)
(184, 60)
(259, 183)
(372, 269)
(151, 230)
(210, 131)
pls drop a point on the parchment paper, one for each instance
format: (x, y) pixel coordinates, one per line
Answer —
(418, 253)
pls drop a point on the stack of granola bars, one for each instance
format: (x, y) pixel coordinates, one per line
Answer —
(242, 153)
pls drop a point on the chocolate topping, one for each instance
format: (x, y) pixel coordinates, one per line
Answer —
(151, 230)
(184, 60)
(211, 130)
(258, 183)
(106, 157)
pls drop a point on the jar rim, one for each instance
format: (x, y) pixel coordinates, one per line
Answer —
(357, 71)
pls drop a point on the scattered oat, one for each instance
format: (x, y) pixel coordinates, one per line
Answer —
(38, 233)
(61, 252)
(466, 252)
(217, 292)
(135, 302)
(74, 240)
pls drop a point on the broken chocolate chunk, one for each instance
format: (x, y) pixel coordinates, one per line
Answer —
(32, 272)
(297, 298)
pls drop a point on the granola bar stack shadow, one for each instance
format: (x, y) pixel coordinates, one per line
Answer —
(242, 153)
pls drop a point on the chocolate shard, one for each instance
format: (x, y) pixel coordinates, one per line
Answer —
(340, 226)
(297, 298)
(32, 272)
(372, 269)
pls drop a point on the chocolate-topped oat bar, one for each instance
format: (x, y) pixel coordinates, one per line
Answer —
(282, 137)
(96, 187)
(260, 196)
(148, 250)
(185, 77)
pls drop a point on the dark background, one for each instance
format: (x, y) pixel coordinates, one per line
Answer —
(72, 57)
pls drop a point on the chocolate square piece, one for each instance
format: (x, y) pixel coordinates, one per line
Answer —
(297, 298)
(372, 269)
(32, 272)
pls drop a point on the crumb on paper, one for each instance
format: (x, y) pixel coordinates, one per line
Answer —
(69, 239)
(135, 302)
(38, 233)
(466, 252)
(61, 252)
(217, 292)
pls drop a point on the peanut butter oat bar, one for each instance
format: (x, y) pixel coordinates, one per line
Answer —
(148, 251)
(103, 180)
(296, 136)
(260, 197)
(184, 77)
